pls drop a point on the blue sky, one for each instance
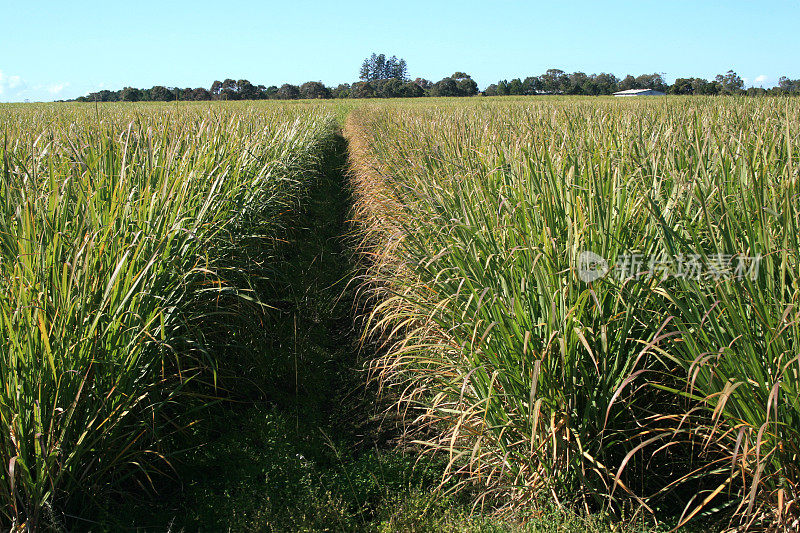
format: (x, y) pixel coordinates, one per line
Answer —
(53, 50)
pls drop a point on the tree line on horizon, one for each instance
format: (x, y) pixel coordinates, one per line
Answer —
(387, 77)
(556, 81)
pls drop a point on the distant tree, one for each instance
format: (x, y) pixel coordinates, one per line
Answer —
(515, 87)
(341, 91)
(314, 89)
(445, 87)
(229, 90)
(643, 81)
(788, 86)
(388, 88)
(459, 84)
(288, 92)
(530, 85)
(654, 82)
(467, 86)
(412, 90)
(502, 88)
(271, 92)
(606, 83)
(424, 84)
(699, 85)
(246, 90)
(595, 85)
(365, 73)
(388, 78)
(390, 68)
(628, 83)
(692, 86)
(578, 83)
(216, 89)
(401, 72)
(362, 89)
(103, 96)
(161, 94)
(130, 94)
(711, 88)
(378, 67)
(730, 83)
(756, 91)
(199, 94)
(554, 81)
(682, 86)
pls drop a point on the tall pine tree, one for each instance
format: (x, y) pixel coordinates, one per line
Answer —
(378, 67)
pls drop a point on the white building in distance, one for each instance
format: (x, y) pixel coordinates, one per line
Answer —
(639, 92)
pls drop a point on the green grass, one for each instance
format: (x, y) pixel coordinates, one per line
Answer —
(114, 232)
(542, 387)
(308, 453)
(190, 295)
(312, 455)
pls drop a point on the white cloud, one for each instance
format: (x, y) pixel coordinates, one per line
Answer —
(14, 88)
(10, 83)
(57, 88)
(761, 79)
